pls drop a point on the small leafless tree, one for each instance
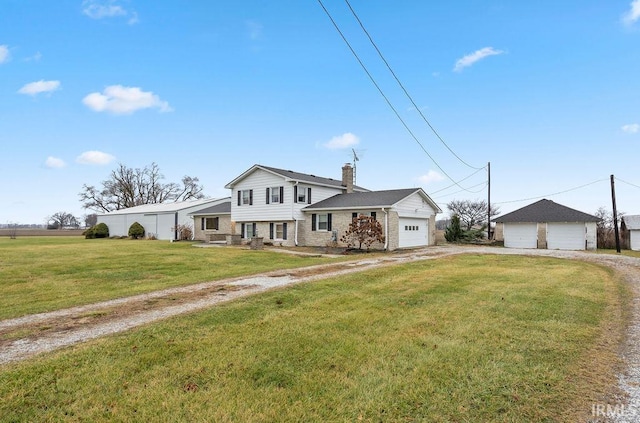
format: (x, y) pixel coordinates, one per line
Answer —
(471, 213)
(90, 220)
(127, 187)
(363, 230)
(185, 232)
(13, 230)
(605, 227)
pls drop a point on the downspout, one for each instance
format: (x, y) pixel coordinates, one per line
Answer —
(386, 229)
(295, 231)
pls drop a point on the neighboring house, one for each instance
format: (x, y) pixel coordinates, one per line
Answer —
(631, 226)
(407, 217)
(160, 220)
(545, 224)
(267, 202)
(297, 209)
(212, 223)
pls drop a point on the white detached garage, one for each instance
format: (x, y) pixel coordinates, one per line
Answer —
(545, 224)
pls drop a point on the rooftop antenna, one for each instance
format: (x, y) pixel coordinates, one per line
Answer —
(355, 159)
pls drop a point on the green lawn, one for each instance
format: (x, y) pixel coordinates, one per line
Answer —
(458, 339)
(40, 274)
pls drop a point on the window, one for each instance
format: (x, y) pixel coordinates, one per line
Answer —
(245, 197)
(301, 194)
(212, 223)
(275, 194)
(323, 222)
(249, 230)
(278, 231)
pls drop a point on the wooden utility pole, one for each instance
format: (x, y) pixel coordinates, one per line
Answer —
(615, 214)
(488, 201)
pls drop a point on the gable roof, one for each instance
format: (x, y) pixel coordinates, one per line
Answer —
(159, 208)
(292, 176)
(545, 211)
(359, 200)
(222, 208)
(632, 222)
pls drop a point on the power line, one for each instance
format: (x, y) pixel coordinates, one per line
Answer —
(628, 183)
(404, 89)
(483, 184)
(550, 195)
(383, 94)
(461, 180)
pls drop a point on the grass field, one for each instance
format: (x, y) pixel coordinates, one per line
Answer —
(40, 274)
(458, 339)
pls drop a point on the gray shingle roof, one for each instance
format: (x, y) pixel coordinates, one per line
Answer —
(222, 208)
(632, 221)
(545, 211)
(309, 178)
(363, 199)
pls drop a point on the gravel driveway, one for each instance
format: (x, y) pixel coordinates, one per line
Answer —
(91, 321)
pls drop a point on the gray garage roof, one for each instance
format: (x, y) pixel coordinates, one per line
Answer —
(545, 211)
(385, 198)
(632, 222)
(222, 208)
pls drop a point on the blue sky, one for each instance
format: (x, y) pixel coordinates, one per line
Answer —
(548, 92)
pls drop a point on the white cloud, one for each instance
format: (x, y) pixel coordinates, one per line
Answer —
(35, 58)
(35, 88)
(633, 14)
(95, 158)
(100, 9)
(255, 29)
(345, 140)
(632, 128)
(54, 162)
(431, 176)
(4, 53)
(121, 100)
(477, 55)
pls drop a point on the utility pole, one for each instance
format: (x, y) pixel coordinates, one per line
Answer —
(489, 201)
(615, 214)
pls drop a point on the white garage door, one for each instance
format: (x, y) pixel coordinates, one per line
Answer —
(635, 240)
(521, 235)
(413, 232)
(566, 236)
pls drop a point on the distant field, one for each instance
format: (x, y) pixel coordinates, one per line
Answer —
(458, 339)
(41, 232)
(40, 274)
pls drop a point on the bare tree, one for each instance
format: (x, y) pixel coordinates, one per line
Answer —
(471, 213)
(605, 227)
(90, 220)
(363, 230)
(127, 187)
(61, 220)
(13, 230)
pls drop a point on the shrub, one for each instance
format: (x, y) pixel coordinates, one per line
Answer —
(89, 234)
(101, 230)
(453, 233)
(185, 232)
(136, 230)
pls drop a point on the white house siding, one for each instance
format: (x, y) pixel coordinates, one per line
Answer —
(566, 235)
(592, 236)
(119, 224)
(520, 235)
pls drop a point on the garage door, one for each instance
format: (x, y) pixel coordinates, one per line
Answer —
(635, 240)
(521, 235)
(413, 232)
(566, 236)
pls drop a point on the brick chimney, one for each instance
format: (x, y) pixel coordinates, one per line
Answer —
(347, 177)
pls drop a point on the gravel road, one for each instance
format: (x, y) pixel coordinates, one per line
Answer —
(205, 295)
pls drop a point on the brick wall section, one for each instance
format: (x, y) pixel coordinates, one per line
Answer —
(542, 235)
(263, 231)
(432, 230)
(394, 227)
(201, 235)
(339, 222)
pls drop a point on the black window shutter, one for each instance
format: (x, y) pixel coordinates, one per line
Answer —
(295, 193)
(202, 224)
(281, 195)
(254, 228)
(309, 195)
(216, 223)
(354, 215)
(242, 231)
(268, 196)
(284, 230)
(239, 196)
(251, 197)
(373, 214)
(271, 230)
(328, 221)
(313, 222)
